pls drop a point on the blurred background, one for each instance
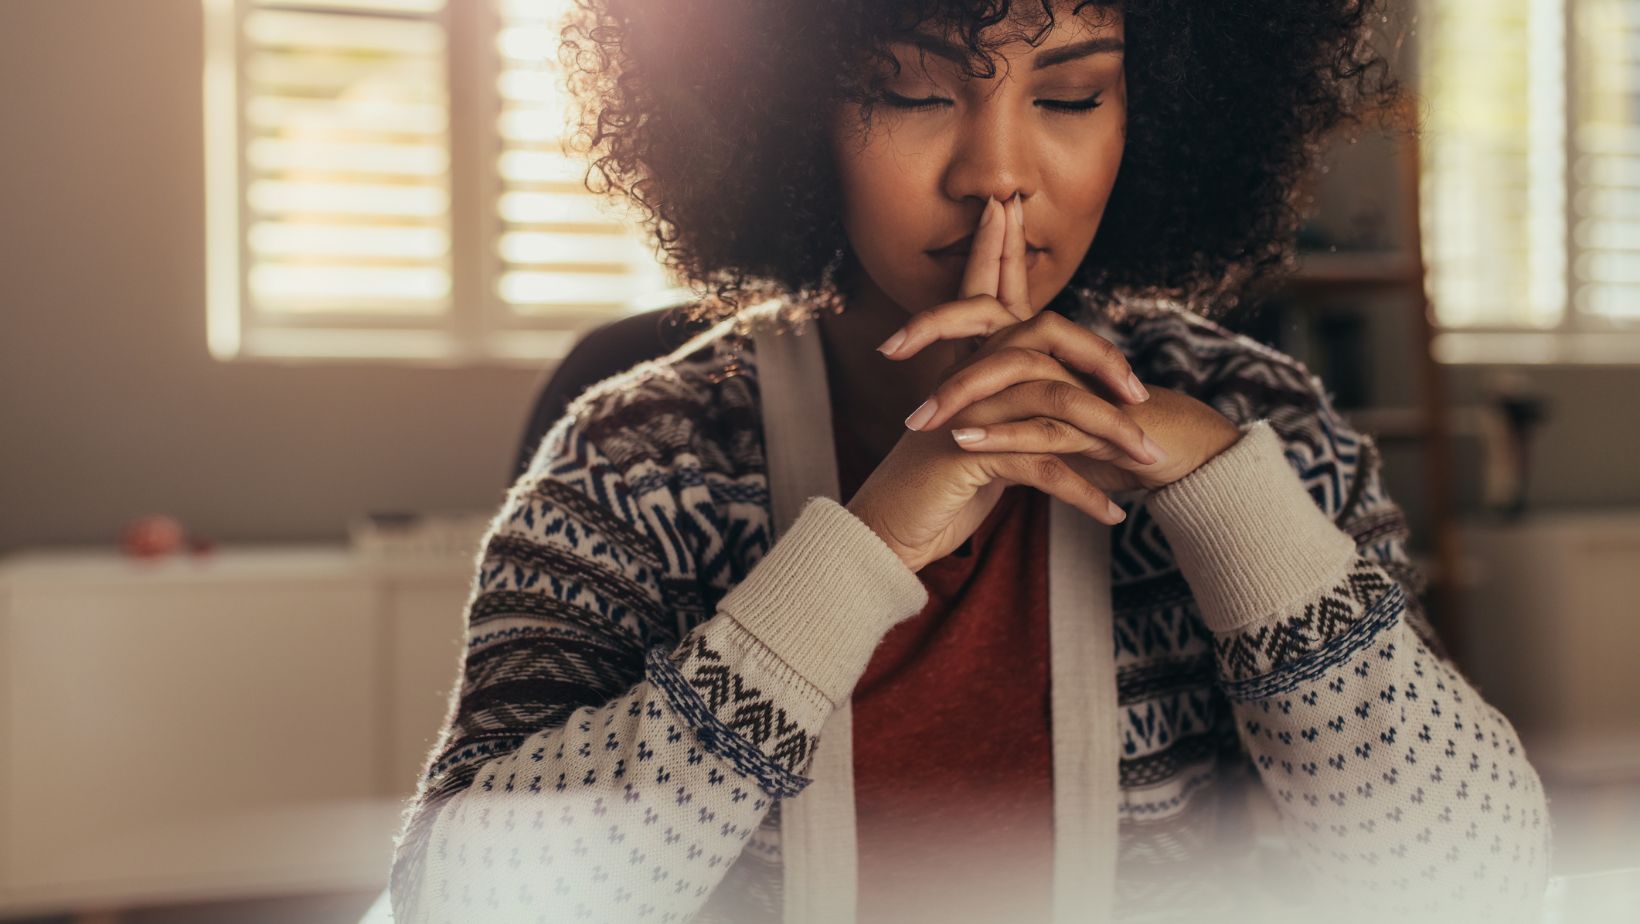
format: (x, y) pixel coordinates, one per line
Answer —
(281, 284)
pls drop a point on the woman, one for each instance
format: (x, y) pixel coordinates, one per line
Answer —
(771, 538)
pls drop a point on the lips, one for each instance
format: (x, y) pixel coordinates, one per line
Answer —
(961, 248)
(963, 251)
(956, 259)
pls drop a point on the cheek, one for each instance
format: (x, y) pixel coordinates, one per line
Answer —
(873, 177)
(867, 205)
(879, 213)
(1086, 175)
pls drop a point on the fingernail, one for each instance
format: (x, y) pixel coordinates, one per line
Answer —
(986, 216)
(1137, 390)
(968, 434)
(1117, 513)
(923, 414)
(1018, 210)
(1153, 449)
(892, 343)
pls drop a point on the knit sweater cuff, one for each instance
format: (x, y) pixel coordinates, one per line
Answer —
(825, 595)
(1247, 536)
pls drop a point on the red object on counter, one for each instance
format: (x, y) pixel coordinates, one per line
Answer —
(152, 537)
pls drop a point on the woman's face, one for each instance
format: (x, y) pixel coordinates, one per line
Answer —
(1049, 126)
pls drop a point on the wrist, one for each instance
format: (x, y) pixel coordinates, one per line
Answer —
(1224, 436)
(1215, 440)
(862, 512)
(823, 595)
(1246, 534)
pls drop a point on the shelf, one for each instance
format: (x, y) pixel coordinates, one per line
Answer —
(1355, 269)
(1389, 423)
(1402, 424)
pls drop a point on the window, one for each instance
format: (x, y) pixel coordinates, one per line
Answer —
(386, 180)
(1531, 179)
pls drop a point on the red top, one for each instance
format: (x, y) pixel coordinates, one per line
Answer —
(955, 824)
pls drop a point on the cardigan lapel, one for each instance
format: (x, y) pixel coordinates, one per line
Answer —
(1083, 705)
(817, 836)
(817, 827)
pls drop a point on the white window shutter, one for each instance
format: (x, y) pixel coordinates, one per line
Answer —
(1606, 160)
(1493, 173)
(340, 150)
(563, 256)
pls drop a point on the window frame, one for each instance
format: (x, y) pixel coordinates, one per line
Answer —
(479, 329)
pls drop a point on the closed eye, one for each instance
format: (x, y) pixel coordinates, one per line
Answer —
(1071, 105)
(930, 102)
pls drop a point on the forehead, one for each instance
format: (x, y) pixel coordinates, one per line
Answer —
(1076, 30)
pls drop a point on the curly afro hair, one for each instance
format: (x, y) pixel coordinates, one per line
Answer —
(709, 116)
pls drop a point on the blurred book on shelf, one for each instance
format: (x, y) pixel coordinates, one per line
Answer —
(418, 535)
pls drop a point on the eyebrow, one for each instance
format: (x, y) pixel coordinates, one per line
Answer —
(1045, 58)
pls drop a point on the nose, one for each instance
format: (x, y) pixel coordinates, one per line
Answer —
(990, 156)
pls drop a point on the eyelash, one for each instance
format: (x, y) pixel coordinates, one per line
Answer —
(1067, 107)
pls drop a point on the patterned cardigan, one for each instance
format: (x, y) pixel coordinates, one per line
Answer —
(645, 674)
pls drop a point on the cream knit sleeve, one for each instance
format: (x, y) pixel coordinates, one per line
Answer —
(596, 766)
(1403, 792)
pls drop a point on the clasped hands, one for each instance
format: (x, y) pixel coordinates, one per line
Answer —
(1039, 382)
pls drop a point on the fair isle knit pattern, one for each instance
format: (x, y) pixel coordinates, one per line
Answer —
(625, 727)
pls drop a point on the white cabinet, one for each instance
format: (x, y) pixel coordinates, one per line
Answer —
(190, 729)
(1552, 628)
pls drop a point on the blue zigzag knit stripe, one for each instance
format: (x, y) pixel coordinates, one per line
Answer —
(1381, 616)
(718, 737)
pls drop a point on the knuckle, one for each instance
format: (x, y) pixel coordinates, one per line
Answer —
(922, 320)
(1062, 396)
(1018, 358)
(1048, 428)
(997, 320)
(983, 300)
(1047, 468)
